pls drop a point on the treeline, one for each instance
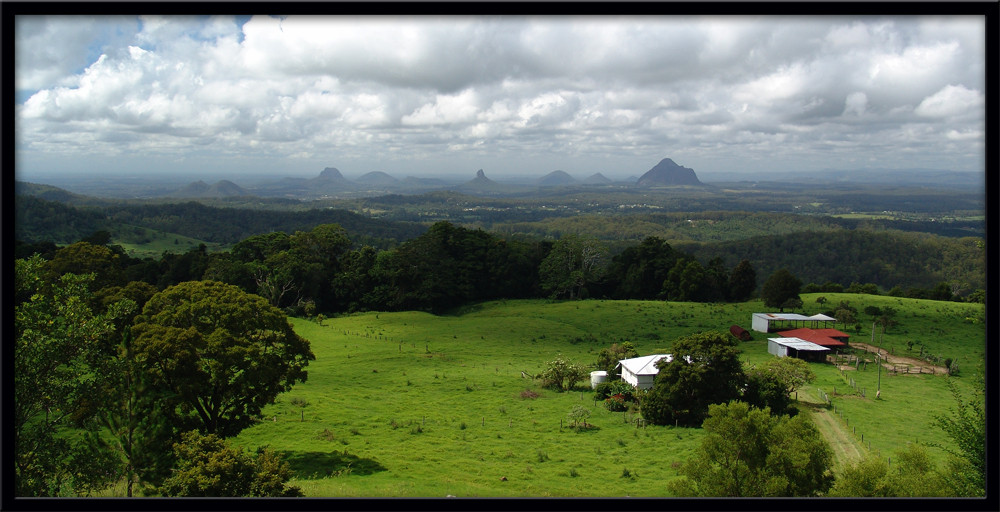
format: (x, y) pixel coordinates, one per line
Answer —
(321, 270)
(885, 258)
(39, 220)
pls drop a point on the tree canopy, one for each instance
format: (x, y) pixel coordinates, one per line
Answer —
(573, 263)
(224, 353)
(748, 452)
(781, 288)
(705, 369)
(60, 346)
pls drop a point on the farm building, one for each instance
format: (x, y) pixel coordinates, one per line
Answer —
(640, 371)
(797, 348)
(767, 322)
(830, 338)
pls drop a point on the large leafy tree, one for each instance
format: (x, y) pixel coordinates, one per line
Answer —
(86, 258)
(792, 373)
(781, 288)
(748, 452)
(685, 281)
(135, 419)
(574, 262)
(705, 369)
(222, 352)
(639, 271)
(742, 281)
(60, 345)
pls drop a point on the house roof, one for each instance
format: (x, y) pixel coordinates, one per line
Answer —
(645, 365)
(798, 344)
(823, 337)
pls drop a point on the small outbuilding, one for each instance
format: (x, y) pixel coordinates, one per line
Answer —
(797, 348)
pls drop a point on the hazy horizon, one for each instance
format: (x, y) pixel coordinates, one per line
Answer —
(443, 96)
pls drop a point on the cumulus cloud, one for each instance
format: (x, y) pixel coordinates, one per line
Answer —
(952, 101)
(705, 91)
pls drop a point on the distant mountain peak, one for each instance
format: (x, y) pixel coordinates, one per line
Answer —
(331, 173)
(668, 173)
(597, 179)
(556, 178)
(377, 178)
(481, 174)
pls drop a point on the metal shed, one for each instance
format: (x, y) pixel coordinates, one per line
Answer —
(795, 347)
(763, 322)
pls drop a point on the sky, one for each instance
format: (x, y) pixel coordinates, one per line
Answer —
(516, 96)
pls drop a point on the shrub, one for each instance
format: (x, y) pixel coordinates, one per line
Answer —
(562, 375)
(614, 387)
(579, 415)
(616, 403)
(208, 466)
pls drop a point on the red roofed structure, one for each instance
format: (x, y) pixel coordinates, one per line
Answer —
(822, 337)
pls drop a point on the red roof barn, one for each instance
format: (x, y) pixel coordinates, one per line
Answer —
(822, 337)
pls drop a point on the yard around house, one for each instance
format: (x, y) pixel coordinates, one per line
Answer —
(415, 405)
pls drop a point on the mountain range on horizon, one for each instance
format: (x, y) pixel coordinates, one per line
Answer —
(331, 182)
(665, 175)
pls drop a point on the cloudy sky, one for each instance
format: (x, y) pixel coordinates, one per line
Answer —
(512, 95)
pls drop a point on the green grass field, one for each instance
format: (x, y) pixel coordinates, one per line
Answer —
(140, 242)
(411, 404)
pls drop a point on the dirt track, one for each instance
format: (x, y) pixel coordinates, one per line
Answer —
(846, 448)
(890, 359)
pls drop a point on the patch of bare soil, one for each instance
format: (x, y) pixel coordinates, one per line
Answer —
(895, 363)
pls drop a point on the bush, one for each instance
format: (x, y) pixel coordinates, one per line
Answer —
(208, 467)
(562, 375)
(616, 403)
(614, 387)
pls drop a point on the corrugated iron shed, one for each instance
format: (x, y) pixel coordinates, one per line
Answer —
(798, 344)
(825, 337)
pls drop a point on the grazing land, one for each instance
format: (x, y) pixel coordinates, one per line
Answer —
(412, 404)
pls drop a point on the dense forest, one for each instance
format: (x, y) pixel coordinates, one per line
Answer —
(887, 258)
(323, 271)
(37, 219)
(818, 249)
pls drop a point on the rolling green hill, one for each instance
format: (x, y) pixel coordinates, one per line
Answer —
(412, 404)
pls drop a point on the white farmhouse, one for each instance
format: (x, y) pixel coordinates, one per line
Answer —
(641, 371)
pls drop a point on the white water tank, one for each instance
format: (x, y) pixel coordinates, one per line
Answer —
(597, 378)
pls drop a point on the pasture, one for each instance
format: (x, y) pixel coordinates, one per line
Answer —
(410, 404)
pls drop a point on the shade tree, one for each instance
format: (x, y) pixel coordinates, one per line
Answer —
(747, 452)
(705, 369)
(223, 353)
